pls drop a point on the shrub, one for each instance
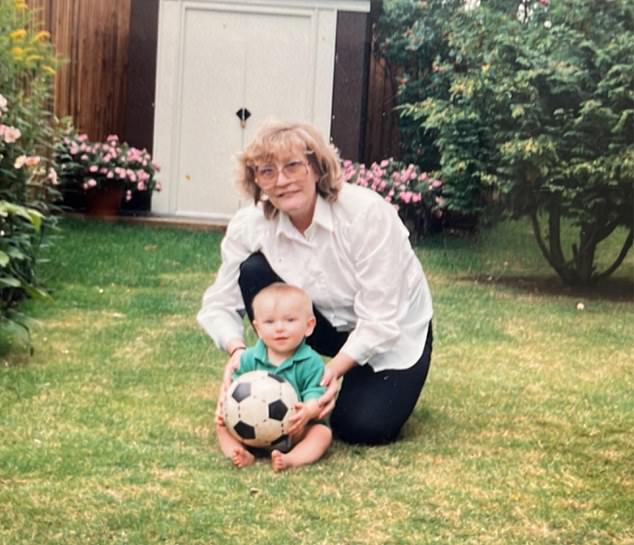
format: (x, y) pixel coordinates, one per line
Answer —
(20, 225)
(532, 102)
(27, 132)
(416, 195)
(87, 166)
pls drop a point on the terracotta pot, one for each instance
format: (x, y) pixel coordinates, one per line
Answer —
(104, 201)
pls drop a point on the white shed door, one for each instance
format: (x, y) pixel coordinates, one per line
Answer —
(262, 62)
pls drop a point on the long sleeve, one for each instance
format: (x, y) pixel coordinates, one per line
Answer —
(222, 306)
(380, 254)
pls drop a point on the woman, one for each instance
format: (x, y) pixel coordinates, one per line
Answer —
(347, 248)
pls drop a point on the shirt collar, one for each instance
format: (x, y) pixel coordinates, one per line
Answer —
(303, 352)
(321, 218)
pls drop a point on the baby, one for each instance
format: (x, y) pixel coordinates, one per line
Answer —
(283, 318)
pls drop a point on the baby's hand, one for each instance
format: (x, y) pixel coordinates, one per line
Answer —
(302, 415)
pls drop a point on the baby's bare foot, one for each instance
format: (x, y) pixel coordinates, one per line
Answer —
(279, 461)
(241, 457)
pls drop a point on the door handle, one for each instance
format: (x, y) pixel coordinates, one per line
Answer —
(243, 114)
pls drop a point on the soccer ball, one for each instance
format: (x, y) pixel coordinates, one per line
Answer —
(257, 409)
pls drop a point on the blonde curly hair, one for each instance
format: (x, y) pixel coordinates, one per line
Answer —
(278, 138)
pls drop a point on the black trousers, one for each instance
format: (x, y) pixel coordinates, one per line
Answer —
(372, 407)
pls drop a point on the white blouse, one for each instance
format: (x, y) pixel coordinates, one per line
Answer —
(356, 263)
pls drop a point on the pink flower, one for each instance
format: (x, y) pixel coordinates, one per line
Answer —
(128, 195)
(9, 134)
(405, 196)
(134, 155)
(28, 160)
(20, 161)
(93, 168)
(91, 183)
(158, 186)
(3, 105)
(436, 184)
(52, 176)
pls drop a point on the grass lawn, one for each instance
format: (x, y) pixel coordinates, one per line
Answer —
(524, 433)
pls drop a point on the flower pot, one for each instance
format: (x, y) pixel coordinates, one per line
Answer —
(104, 201)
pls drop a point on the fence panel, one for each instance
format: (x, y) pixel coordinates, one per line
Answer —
(382, 131)
(92, 36)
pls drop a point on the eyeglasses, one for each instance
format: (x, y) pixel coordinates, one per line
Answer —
(267, 175)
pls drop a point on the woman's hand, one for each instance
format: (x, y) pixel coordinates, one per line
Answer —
(235, 348)
(327, 401)
(220, 408)
(336, 368)
(232, 365)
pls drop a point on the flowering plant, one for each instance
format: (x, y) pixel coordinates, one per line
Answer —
(416, 195)
(86, 165)
(20, 221)
(20, 174)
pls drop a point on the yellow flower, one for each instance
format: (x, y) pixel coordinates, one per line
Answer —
(17, 53)
(41, 36)
(49, 70)
(32, 59)
(18, 35)
(21, 5)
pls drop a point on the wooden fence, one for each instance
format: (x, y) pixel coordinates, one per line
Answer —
(92, 36)
(382, 129)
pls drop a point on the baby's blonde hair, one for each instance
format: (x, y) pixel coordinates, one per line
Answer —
(281, 289)
(277, 138)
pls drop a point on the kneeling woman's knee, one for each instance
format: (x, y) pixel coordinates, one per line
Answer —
(254, 266)
(354, 428)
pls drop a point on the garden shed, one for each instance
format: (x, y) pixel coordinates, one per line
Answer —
(223, 67)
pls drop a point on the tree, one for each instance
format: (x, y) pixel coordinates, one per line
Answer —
(536, 107)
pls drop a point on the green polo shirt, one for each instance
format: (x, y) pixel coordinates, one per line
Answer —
(303, 370)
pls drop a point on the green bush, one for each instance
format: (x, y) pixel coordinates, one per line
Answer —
(27, 132)
(414, 38)
(531, 107)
